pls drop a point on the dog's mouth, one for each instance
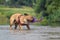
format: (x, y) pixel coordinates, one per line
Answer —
(31, 20)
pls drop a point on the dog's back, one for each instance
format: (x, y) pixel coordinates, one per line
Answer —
(14, 17)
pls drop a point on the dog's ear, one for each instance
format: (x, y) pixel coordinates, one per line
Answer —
(25, 14)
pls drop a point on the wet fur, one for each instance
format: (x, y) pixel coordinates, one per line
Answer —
(15, 18)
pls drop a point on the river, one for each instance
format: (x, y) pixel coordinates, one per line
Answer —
(36, 33)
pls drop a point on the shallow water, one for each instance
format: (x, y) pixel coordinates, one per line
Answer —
(36, 33)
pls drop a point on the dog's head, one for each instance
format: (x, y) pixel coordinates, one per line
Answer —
(29, 17)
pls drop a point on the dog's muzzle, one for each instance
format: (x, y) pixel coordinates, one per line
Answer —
(31, 20)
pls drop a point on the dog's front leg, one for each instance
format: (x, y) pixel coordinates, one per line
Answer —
(28, 26)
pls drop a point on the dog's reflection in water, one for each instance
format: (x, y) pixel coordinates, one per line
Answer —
(20, 32)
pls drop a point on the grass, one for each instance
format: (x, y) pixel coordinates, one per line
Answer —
(6, 11)
(21, 10)
(10, 11)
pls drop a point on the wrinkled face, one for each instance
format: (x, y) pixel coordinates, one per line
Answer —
(29, 18)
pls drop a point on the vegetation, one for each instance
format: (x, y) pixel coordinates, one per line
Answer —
(49, 9)
(7, 12)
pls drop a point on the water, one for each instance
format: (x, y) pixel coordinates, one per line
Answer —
(36, 33)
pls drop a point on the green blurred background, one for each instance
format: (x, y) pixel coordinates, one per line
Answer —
(48, 9)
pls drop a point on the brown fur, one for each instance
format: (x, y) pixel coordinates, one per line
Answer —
(19, 19)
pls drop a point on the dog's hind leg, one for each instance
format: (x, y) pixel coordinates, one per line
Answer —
(15, 23)
(15, 26)
(10, 27)
(11, 23)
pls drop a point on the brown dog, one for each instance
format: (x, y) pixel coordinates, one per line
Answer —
(19, 19)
